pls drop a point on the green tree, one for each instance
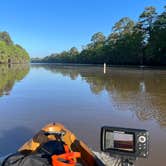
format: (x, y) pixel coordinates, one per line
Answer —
(4, 36)
(156, 50)
(11, 53)
(121, 43)
(73, 51)
(98, 38)
(146, 21)
(122, 27)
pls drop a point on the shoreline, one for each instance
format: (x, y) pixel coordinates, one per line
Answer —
(101, 65)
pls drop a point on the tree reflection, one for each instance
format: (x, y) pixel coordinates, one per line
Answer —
(141, 91)
(9, 74)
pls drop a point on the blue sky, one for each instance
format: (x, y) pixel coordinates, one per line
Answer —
(43, 27)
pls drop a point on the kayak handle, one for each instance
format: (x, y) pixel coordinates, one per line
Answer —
(55, 133)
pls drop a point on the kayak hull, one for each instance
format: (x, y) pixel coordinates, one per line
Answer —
(75, 145)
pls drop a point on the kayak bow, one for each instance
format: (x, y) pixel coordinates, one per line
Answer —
(87, 157)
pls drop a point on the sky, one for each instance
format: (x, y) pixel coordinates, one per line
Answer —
(43, 27)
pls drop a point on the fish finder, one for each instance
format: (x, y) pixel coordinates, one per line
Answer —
(126, 143)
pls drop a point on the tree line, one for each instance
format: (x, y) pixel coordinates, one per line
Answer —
(130, 43)
(10, 52)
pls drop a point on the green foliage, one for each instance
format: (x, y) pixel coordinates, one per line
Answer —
(4, 36)
(73, 51)
(130, 43)
(98, 38)
(146, 21)
(156, 47)
(122, 27)
(11, 53)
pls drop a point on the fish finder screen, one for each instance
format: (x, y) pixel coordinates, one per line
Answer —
(120, 141)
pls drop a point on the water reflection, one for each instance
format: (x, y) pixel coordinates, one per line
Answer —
(141, 91)
(19, 135)
(9, 74)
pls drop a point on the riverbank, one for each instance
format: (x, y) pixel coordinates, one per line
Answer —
(102, 65)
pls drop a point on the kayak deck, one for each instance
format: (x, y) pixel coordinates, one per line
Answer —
(75, 145)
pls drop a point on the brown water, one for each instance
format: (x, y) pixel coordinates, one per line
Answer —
(83, 99)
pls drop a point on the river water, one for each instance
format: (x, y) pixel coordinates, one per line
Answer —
(83, 98)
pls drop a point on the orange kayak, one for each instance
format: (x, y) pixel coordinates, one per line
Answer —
(87, 157)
